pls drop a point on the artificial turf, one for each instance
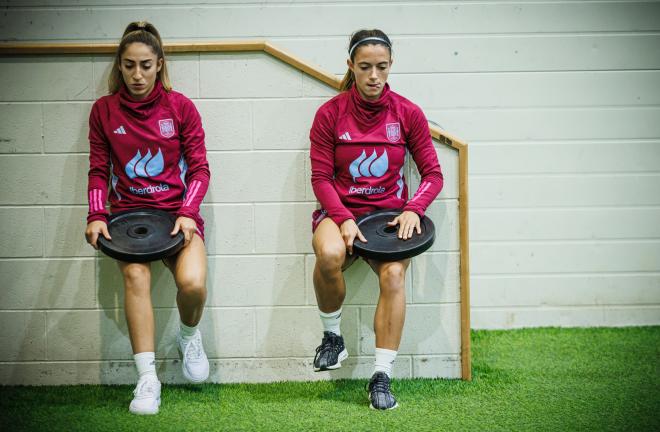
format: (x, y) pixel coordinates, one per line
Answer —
(531, 379)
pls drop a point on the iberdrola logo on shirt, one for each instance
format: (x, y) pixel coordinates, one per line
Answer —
(145, 166)
(372, 166)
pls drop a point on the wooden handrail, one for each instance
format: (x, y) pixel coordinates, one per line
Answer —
(254, 45)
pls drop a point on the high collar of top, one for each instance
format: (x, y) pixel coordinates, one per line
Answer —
(141, 108)
(370, 112)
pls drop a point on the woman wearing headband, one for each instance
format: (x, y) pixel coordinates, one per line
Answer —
(359, 141)
(147, 141)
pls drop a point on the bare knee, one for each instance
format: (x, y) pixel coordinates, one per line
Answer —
(191, 285)
(137, 278)
(330, 258)
(392, 278)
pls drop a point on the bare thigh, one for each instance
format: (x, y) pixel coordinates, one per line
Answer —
(190, 262)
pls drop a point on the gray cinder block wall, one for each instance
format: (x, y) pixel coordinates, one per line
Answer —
(62, 303)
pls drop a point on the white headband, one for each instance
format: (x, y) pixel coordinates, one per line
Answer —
(350, 51)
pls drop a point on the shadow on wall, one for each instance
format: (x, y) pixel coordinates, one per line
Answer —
(115, 348)
(289, 331)
(113, 331)
(67, 284)
(114, 343)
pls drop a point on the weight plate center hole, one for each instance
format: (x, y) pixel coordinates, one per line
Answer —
(387, 231)
(139, 231)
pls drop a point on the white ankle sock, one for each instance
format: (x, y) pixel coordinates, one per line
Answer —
(331, 321)
(186, 331)
(146, 364)
(384, 361)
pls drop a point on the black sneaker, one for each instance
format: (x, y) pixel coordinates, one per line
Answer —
(380, 396)
(330, 353)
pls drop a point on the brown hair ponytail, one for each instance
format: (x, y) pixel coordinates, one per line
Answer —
(359, 38)
(146, 33)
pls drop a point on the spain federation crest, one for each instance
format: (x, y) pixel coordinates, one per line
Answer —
(393, 131)
(166, 127)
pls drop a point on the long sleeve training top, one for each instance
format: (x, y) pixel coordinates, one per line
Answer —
(151, 153)
(358, 150)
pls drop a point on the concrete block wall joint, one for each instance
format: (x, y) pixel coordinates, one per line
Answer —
(11, 49)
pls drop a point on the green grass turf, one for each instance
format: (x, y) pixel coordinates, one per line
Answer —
(532, 379)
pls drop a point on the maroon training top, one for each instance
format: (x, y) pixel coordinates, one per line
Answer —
(151, 152)
(358, 150)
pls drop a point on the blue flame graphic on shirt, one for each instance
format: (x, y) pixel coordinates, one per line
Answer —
(371, 166)
(147, 166)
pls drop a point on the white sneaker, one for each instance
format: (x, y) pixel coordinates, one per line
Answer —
(195, 364)
(147, 396)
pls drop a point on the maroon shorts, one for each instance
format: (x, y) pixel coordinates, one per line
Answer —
(317, 217)
(200, 225)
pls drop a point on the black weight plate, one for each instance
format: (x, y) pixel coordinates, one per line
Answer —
(382, 241)
(141, 236)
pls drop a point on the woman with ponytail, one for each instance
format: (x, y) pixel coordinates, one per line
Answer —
(359, 140)
(143, 122)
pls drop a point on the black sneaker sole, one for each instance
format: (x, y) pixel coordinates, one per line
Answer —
(396, 405)
(341, 357)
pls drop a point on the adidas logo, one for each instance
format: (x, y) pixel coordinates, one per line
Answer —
(120, 130)
(345, 136)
